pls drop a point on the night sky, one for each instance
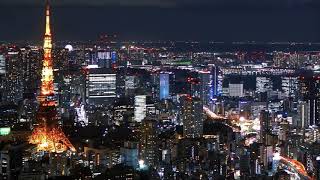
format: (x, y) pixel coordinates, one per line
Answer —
(203, 20)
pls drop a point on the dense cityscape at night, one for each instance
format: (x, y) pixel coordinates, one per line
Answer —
(112, 108)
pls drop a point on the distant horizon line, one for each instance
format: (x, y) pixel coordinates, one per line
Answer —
(168, 41)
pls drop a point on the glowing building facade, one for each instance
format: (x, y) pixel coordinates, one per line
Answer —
(140, 107)
(101, 86)
(164, 86)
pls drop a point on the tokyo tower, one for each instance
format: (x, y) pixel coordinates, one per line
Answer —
(47, 135)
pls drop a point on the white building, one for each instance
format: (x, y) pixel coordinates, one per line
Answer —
(303, 119)
(236, 90)
(140, 107)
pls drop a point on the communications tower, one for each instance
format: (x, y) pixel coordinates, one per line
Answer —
(47, 135)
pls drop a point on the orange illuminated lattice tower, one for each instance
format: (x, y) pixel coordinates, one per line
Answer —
(48, 136)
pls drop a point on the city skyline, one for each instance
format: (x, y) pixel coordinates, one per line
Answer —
(113, 108)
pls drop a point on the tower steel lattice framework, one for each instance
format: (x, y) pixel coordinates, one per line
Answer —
(47, 135)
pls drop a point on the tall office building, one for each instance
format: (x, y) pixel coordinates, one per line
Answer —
(309, 89)
(289, 86)
(210, 85)
(302, 121)
(192, 117)
(148, 142)
(264, 125)
(13, 85)
(207, 87)
(101, 86)
(2, 75)
(164, 85)
(131, 84)
(216, 76)
(121, 82)
(140, 107)
(31, 69)
(20, 71)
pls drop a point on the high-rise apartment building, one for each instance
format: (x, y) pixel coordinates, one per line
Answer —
(13, 85)
(148, 142)
(192, 117)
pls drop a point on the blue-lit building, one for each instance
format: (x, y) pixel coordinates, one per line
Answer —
(216, 77)
(164, 86)
(210, 84)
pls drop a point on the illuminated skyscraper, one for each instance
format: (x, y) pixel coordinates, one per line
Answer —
(207, 85)
(210, 85)
(148, 141)
(48, 136)
(13, 83)
(140, 107)
(31, 66)
(264, 125)
(310, 93)
(2, 74)
(164, 86)
(216, 76)
(101, 86)
(192, 117)
(303, 115)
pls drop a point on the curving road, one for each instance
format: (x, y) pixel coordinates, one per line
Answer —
(297, 167)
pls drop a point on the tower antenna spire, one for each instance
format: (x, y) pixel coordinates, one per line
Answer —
(48, 28)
